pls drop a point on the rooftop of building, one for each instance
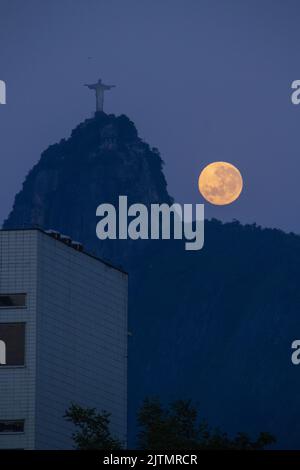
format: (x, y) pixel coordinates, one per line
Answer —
(67, 241)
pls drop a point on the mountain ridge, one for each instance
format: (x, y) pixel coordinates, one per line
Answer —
(214, 325)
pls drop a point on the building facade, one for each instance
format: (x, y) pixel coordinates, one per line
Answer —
(63, 339)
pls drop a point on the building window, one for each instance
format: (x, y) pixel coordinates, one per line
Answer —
(11, 426)
(12, 344)
(12, 300)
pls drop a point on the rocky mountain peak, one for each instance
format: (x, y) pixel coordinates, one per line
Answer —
(103, 158)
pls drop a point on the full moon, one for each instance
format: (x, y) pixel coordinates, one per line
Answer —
(220, 183)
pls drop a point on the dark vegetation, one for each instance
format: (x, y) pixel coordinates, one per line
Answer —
(175, 427)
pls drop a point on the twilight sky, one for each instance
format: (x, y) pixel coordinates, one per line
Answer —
(203, 80)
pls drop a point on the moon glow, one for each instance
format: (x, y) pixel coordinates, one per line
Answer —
(220, 183)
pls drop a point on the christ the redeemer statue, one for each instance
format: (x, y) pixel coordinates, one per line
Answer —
(99, 88)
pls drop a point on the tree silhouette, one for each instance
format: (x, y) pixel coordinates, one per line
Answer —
(174, 427)
(93, 429)
(178, 427)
